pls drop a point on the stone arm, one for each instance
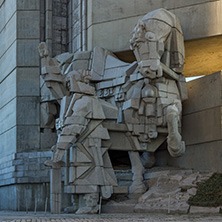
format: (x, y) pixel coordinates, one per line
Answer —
(51, 73)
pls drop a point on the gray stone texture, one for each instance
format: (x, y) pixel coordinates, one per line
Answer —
(28, 82)
(8, 116)
(8, 35)
(19, 67)
(59, 26)
(19, 101)
(118, 18)
(25, 197)
(8, 62)
(201, 126)
(8, 89)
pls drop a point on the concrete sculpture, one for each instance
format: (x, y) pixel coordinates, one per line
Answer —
(107, 104)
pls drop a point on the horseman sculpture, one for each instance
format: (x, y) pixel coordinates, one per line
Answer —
(107, 104)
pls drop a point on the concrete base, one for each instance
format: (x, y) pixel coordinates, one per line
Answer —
(28, 197)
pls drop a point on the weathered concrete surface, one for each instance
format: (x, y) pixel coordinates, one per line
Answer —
(8, 89)
(201, 127)
(8, 141)
(106, 18)
(28, 81)
(204, 156)
(25, 197)
(202, 111)
(19, 101)
(203, 93)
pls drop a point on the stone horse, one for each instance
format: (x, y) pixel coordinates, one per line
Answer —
(107, 104)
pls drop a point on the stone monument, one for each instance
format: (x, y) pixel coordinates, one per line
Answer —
(107, 104)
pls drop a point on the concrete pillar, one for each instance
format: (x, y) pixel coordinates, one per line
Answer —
(55, 190)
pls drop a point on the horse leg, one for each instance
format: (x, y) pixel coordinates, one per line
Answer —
(148, 159)
(176, 146)
(138, 170)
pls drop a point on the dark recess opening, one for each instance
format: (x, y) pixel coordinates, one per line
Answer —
(119, 159)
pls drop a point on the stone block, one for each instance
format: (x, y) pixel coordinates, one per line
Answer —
(27, 24)
(120, 190)
(119, 81)
(131, 103)
(86, 88)
(87, 189)
(6, 12)
(182, 86)
(110, 111)
(121, 17)
(70, 189)
(126, 9)
(8, 116)
(8, 35)
(45, 154)
(104, 84)
(113, 62)
(8, 170)
(8, 61)
(27, 81)
(199, 22)
(100, 132)
(81, 64)
(173, 96)
(47, 138)
(28, 138)
(82, 55)
(204, 157)
(203, 126)
(114, 72)
(207, 88)
(113, 28)
(172, 87)
(55, 179)
(8, 89)
(135, 77)
(120, 141)
(28, 111)
(28, 5)
(204, 210)
(21, 155)
(18, 162)
(28, 52)
(46, 94)
(161, 87)
(98, 63)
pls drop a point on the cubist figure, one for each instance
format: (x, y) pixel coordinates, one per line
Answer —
(79, 123)
(132, 107)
